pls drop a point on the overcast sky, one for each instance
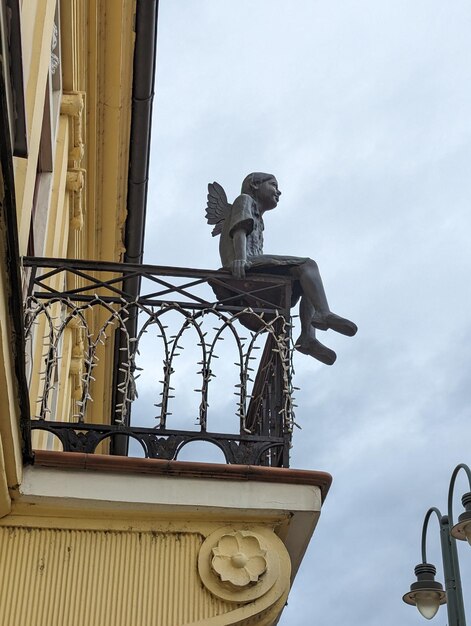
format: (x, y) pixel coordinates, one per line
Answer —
(362, 109)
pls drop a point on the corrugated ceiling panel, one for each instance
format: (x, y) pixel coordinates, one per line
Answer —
(54, 577)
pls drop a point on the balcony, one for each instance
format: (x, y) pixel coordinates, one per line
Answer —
(144, 360)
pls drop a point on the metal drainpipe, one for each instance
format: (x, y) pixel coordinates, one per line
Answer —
(139, 152)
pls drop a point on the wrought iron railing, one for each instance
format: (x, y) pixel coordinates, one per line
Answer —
(120, 331)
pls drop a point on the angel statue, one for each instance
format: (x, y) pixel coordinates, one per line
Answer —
(241, 248)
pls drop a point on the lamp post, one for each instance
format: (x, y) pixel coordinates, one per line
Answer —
(426, 593)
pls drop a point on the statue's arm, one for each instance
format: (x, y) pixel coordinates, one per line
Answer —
(239, 239)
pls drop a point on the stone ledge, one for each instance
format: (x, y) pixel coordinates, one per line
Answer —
(187, 469)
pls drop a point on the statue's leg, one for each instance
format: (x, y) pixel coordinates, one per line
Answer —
(307, 342)
(311, 282)
(322, 318)
(306, 312)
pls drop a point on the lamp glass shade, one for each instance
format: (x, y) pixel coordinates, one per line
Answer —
(467, 532)
(428, 603)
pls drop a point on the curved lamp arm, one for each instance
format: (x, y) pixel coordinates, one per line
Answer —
(464, 467)
(432, 509)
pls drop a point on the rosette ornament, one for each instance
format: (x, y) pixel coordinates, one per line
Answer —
(239, 559)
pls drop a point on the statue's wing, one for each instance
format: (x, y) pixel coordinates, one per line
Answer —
(217, 208)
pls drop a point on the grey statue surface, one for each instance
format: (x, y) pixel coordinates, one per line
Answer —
(241, 226)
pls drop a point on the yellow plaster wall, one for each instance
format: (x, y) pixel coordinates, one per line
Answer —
(5, 500)
(37, 18)
(97, 46)
(97, 59)
(10, 457)
(57, 227)
(91, 142)
(97, 56)
(88, 577)
(111, 48)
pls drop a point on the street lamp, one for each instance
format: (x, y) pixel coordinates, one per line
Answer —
(427, 594)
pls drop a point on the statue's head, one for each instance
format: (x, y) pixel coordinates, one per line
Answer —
(263, 188)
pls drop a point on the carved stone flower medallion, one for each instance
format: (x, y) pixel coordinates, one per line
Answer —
(239, 559)
(240, 565)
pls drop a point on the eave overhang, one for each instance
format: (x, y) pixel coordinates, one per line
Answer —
(87, 485)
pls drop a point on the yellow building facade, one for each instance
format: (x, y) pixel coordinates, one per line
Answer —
(97, 537)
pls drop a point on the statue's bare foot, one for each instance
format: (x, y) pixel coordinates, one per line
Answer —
(335, 322)
(314, 348)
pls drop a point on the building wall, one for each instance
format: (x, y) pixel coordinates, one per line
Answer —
(10, 443)
(77, 62)
(71, 190)
(88, 578)
(68, 192)
(11, 357)
(144, 570)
